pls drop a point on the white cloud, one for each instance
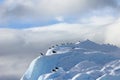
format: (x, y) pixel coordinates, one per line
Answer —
(98, 20)
(42, 10)
(113, 33)
(60, 19)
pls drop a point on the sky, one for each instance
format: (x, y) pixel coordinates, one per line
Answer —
(28, 27)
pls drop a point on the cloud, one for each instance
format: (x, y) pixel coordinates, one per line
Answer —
(112, 33)
(33, 39)
(98, 20)
(60, 19)
(45, 10)
(9, 78)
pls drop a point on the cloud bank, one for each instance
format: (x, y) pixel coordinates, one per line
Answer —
(22, 11)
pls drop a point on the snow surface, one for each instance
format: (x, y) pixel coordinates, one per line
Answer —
(80, 61)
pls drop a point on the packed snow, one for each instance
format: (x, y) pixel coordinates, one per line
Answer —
(76, 61)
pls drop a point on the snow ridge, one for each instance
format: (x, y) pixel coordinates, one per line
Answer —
(80, 61)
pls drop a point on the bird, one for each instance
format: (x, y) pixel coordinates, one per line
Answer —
(52, 46)
(53, 70)
(49, 47)
(41, 54)
(54, 51)
(56, 68)
(56, 44)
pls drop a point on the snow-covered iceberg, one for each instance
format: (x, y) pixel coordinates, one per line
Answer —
(80, 61)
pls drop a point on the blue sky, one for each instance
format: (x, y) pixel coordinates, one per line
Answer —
(22, 25)
(1, 1)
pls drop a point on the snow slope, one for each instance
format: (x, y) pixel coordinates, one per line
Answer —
(80, 61)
